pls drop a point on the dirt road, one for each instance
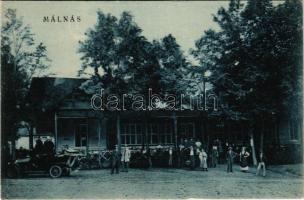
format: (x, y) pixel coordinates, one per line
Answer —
(157, 183)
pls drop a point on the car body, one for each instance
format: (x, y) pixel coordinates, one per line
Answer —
(54, 165)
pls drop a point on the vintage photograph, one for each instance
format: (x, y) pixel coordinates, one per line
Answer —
(152, 99)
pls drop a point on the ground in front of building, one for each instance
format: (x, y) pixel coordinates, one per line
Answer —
(158, 183)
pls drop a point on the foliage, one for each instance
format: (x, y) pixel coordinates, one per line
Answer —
(125, 62)
(173, 65)
(255, 58)
(21, 59)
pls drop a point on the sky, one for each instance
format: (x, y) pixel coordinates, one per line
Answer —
(185, 20)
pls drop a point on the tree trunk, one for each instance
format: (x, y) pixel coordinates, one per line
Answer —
(204, 137)
(228, 131)
(118, 132)
(262, 137)
(277, 128)
(13, 139)
(254, 159)
(208, 137)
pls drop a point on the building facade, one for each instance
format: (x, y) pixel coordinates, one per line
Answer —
(62, 109)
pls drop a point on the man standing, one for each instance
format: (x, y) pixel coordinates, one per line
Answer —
(192, 158)
(214, 156)
(115, 161)
(49, 147)
(147, 153)
(261, 165)
(220, 150)
(180, 152)
(230, 156)
(38, 147)
(170, 157)
(125, 158)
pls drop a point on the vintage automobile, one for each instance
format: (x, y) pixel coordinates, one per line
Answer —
(54, 165)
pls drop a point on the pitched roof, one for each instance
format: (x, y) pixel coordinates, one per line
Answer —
(47, 92)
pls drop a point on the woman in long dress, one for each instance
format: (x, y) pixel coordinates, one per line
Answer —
(244, 155)
(204, 155)
(203, 159)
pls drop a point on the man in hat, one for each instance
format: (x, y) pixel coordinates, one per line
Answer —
(214, 156)
(229, 157)
(38, 149)
(49, 147)
(115, 161)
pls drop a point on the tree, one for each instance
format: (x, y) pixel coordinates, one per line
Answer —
(253, 61)
(172, 63)
(129, 63)
(21, 59)
(117, 48)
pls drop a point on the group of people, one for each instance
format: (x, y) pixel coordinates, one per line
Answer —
(120, 158)
(244, 163)
(195, 149)
(46, 147)
(189, 153)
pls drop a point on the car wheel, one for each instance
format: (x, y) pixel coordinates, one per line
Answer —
(55, 171)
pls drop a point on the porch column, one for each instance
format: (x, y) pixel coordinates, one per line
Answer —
(146, 139)
(103, 133)
(87, 145)
(202, 128)
(144, 134)
(31, 145)
(175, 128)
(55, 131)
(193, 131)
(118, 132)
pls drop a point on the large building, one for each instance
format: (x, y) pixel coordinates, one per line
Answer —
(62, 109)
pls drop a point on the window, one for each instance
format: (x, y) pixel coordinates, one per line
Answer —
(166, 132)
(131, 133)
(139, 133)
(186, 130)
(81, 134)
(160, 133)
(154, 133)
